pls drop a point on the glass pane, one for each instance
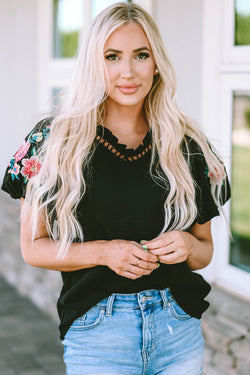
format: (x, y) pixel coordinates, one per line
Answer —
(68, 21)
(242, 22)
(240, 204)
(57, 95)
(98, 5)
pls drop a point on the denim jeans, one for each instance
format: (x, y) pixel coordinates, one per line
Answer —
(145, 333)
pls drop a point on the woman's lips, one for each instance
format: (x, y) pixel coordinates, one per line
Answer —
(128, 89)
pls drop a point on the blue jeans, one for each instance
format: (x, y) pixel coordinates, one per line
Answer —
(145, 333)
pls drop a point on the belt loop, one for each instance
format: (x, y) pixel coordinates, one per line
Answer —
(164, 298)
(110, 304)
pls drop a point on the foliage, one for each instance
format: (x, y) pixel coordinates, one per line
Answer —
(240, 205)
(247, 116)
(69, 43)
(242, 29)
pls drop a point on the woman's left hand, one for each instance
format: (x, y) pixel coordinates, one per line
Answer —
(171, 247)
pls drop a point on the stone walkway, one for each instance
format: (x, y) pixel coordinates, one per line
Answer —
(29, 343)
(226, 328)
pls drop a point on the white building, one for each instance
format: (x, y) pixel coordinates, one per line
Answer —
(213, 72)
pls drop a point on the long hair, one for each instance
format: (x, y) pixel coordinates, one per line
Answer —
(60, 185)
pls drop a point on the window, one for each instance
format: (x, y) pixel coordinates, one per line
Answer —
(233, 109)
(67, 24)
(242, 23)
(240, 204)
(236, 31)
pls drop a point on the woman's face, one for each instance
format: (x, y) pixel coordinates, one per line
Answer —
(130, 65)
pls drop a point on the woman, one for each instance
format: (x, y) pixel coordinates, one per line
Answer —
(121, 188)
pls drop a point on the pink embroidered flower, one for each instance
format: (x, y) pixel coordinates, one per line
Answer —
(22, 151)
(15, 169)
(31, 167)
(217, 177)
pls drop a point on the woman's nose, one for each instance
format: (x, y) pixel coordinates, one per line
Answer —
(127, 70)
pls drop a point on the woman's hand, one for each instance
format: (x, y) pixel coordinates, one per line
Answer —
(173, 247)
(128, 259)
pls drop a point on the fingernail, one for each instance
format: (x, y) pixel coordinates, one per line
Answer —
(158, 265)
(141, 242)
(145, 247)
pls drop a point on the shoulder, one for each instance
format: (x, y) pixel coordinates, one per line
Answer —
(40, 132)
(28, 151)
(25, 162)
(190, 147)
(194, 155)
(198, 163)
(211, 185)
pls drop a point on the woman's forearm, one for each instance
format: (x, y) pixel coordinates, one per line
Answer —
(42, 252)
(200, 252)
(126, 258)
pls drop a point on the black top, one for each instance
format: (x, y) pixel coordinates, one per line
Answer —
(122, 201)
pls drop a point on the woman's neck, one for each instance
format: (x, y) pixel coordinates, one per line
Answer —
(126, 121)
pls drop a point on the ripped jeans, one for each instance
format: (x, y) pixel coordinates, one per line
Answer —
(145, 333)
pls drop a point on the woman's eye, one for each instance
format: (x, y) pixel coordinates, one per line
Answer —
(143, 56)
(111, 57)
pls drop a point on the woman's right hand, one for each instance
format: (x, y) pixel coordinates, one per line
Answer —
(128, 259)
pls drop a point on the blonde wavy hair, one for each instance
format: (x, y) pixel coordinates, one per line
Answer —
(56, 191)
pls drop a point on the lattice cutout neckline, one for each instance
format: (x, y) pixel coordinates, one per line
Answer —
(110, 141)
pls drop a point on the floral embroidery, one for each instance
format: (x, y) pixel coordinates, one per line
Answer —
(38, 137)
(22, 151)
(14, 171)
(30, 166)
(218, 177)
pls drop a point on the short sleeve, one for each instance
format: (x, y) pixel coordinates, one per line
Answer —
(25, 164)
(203, 179)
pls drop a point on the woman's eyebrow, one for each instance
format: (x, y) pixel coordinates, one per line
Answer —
(119, 51)
(113, 50)
(141, 49)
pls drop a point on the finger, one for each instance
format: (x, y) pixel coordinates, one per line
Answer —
(139, 271)
(164, 239)
(130, 275)
(177, 256)
(146, 265)
(140, 262)
(144, 255)
(162, 251)
(158, 243)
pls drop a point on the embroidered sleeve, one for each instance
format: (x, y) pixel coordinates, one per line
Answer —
(25, 164)
(203, 179)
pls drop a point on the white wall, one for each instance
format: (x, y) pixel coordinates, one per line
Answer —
(180, 23)
(17, 74)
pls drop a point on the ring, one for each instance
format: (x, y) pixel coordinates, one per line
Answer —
(138, 262)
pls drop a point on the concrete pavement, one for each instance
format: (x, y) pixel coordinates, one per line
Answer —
(29, 343)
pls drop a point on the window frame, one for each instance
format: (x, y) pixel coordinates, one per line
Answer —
(234, 75)
(232, 54)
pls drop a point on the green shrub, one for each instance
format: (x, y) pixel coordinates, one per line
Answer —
(247, 116)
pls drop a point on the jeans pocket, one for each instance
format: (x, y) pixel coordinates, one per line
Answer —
(177, 311)
(91, 319)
